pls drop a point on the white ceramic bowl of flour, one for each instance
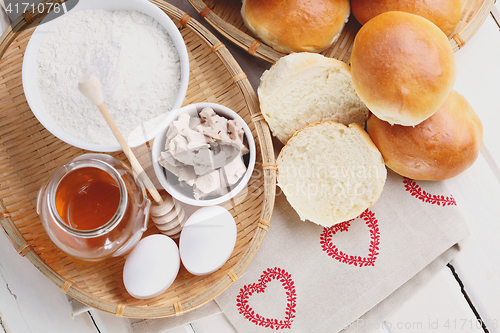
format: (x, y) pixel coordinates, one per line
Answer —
(64, 129)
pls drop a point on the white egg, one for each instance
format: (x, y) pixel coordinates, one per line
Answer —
(207, 240)
(151, 267)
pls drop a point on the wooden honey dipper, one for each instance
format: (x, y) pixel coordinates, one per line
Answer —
(168, 216)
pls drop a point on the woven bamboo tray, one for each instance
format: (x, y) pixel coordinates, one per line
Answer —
(225, 17)
(28, 153)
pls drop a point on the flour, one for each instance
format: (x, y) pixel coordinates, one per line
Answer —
(129, 52)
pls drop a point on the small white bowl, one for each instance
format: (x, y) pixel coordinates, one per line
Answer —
(170, 182)
(30, 69)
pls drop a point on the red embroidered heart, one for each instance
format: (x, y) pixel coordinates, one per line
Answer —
(332, 250)
(415, 190)
(248, 290)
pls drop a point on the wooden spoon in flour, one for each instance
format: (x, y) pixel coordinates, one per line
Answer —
(167, 214)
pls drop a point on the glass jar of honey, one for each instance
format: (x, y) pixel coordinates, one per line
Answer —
(92, 207)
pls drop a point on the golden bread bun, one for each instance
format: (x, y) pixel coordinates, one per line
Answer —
(304, 88)
(331, 173)
(296, 25)
(443, 13)
(439, 148)
(402, 67)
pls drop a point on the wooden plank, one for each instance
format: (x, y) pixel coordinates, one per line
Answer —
(108, 323)
(478, 78)
(477, 193)
(496, 9)
(438, 307)
(29, 302)
(477, 190)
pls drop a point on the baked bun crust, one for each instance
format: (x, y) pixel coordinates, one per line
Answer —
(296, 25)
(439, 148)
(443, 13)
(331, 173)
(402, 67)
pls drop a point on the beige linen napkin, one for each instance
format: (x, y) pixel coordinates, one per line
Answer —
(313, 279)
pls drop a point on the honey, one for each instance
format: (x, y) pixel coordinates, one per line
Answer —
(92, 207)
(87, 198)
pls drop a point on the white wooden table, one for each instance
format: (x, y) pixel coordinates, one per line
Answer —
(465, 290)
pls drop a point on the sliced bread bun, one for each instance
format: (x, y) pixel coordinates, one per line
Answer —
(331, 173)
(443, 13)
(296, 25)
(305, 88)
(403, 67)
(439, 148)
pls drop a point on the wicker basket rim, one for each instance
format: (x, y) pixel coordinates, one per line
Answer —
(255, 47)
